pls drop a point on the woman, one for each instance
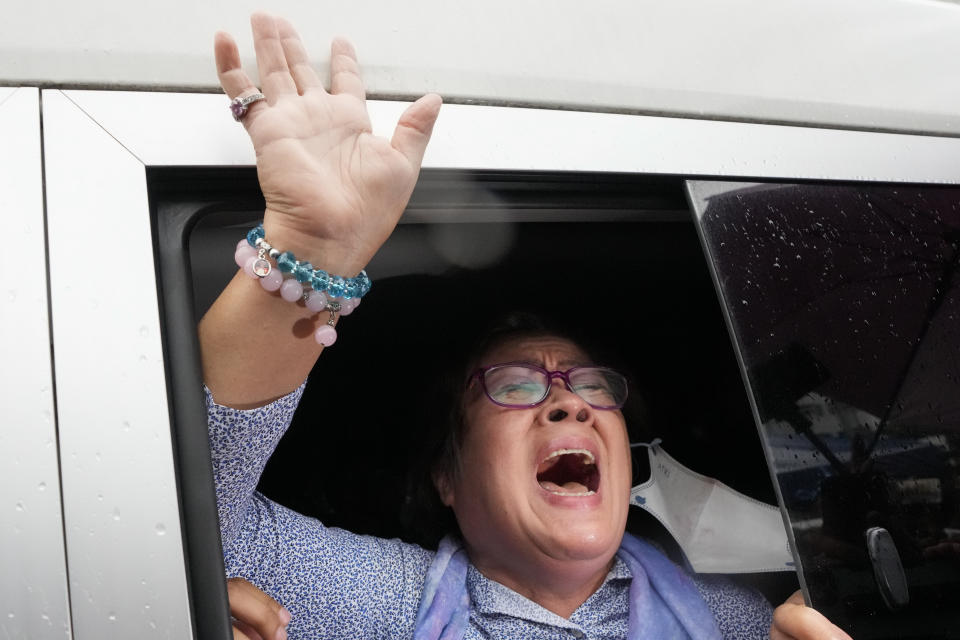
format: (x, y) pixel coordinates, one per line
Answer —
(543, 555)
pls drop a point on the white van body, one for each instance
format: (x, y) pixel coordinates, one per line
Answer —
(884, 64)
(90, 543)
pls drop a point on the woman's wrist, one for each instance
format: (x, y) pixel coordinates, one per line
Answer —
(298, 281)
(331, 255)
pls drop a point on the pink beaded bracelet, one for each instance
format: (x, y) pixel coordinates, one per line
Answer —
(255, 263)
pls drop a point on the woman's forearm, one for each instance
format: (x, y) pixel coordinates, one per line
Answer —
(256, 346)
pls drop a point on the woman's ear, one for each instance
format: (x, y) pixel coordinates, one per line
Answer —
(444, 486)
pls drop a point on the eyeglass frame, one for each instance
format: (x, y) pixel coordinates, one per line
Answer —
(480, 372)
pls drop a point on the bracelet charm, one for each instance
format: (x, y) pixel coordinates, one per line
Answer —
(324, 292)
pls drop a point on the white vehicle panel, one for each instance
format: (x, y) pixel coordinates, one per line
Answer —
(125, 553)
(33, 581)
(124, 547)
(193, 129)
(884, 64)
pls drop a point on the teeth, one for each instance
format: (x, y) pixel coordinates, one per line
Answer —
(565, 493)
(563, 452)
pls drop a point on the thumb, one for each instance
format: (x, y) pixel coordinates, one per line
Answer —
(415, 126)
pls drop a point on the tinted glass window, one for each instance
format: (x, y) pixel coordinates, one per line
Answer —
(845, 306)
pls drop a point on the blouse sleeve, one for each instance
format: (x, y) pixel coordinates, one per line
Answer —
(336, 584)
(742, 613)
(241, 442)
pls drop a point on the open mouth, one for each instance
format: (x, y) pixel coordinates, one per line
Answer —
(569, 472)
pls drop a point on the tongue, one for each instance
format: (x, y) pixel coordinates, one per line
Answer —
(567, 487)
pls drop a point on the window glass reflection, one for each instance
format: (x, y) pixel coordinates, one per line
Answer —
(844, 302)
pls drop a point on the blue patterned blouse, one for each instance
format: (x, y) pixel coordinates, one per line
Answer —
(341, 585)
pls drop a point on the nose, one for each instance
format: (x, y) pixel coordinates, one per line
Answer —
(562, 402)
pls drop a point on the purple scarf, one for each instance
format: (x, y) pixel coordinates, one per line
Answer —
(664, 602)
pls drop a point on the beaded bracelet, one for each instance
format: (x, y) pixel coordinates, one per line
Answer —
(325, 293)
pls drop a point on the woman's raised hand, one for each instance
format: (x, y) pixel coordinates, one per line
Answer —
(334, 191)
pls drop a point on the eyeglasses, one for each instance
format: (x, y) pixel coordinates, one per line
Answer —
(517, 385)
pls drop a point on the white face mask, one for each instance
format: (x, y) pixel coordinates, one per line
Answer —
(719, 530)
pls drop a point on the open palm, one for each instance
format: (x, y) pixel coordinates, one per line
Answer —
(331, 187)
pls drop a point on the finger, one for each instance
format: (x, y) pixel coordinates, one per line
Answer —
(251, 606)
(297, 59)
(243, 631)
(275, 78)
(415, 127)
(803, 623)
(344, 70)
(232, 77)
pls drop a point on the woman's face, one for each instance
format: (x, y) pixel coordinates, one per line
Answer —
(526, 496)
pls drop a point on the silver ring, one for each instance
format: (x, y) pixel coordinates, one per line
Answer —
(239, 106)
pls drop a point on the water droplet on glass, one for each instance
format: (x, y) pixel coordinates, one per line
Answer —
(19, 506)
(116, 514)
(126, 425)
(10, 615)
(42, 486)
(160, 529)
(153, 625)
(112, 617)
(143, 332)
(99, 497)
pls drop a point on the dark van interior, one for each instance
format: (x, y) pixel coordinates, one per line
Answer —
(616, 257)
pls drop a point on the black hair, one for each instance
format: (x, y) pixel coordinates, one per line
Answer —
(425, 518)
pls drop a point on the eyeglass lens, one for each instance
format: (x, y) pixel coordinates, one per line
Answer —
(519, 385)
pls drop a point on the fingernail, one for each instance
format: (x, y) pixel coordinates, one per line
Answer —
(285, 616)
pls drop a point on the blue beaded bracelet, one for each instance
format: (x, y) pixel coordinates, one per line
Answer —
(318, 279)
(338, 295)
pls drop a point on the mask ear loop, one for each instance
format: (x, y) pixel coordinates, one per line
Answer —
(635, 462)
(653, 444)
